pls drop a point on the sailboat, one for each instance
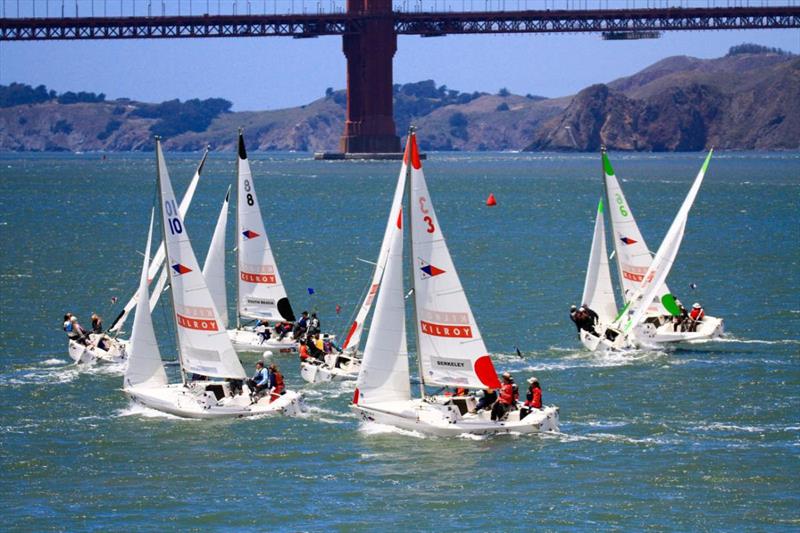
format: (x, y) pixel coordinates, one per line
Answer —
(450, 350)
(210, 368)
(261, 295)
(346, 365)
(649, 305)
(118, 347)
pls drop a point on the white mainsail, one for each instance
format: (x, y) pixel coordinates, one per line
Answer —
(598, 292)
(214, 267)
(203, 343)
(393, 224)
(158, 259)
(664, 258)
(450, 348)
(144, 363)
(384, 369)
(633, 256)
(261, 293)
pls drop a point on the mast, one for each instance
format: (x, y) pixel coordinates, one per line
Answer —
(240, 141)
(412, 138)
(159, 157)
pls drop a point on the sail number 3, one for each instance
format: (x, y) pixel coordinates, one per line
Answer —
(431, 228)
(249, 194)
(173, 219)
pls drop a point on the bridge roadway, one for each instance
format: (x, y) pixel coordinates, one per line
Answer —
(404, 23)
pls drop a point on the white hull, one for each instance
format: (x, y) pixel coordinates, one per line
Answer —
(248, 340)
(194, 401)
(337, 367)
(117, 353)
(649, 336)
(438, 416)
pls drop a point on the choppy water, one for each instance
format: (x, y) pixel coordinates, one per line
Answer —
(706, 437)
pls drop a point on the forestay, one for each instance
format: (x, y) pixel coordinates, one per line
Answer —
(204, 347)
(664, 258)
(451, 349)
(144, 363)
(384, 368)
(633, 256)
(598, 292)
(158, 259)
(393, 224)
(214, 267)
(261, 291)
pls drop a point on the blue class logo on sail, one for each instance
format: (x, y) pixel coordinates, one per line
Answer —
(428, 270)
(628, 240)
(249, 234)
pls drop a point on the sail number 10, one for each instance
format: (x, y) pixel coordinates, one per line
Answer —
(173, 218)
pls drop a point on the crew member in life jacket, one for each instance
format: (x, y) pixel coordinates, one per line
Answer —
(508, 397)
(97, 323)
(262, 328)
(595, 318)
(259, 382)
(487, 400)
(77, 333)
(313, 325)
(680, 320)
(282, 329)
(276, 385)
(301, 326)
(533, 399)
(696, 315)
(573, 315)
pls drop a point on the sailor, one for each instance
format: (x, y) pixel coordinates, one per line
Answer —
(260, 380)
(507, 399)
(573, 315)
(679, 321)
(78, 333)
(304, 355)
(276, 385)
(313, 325)
(313, 350)
(97, 323)
(68, 323)
(263, 330)
(486, 401)
(696, 315)
(595, 318)
(282, 329)
(533, 399)
(301, 325)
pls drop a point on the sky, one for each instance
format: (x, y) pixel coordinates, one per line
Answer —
(259, 73)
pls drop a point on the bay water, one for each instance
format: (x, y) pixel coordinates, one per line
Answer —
(702, 437)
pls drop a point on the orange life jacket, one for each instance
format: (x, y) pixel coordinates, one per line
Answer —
(279, 386)
(507, 393)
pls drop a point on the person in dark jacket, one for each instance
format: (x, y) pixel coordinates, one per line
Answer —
(487, 400)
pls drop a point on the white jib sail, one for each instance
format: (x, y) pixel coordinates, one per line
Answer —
(392, 225)
(204, 346)
(261, 291)
(214, 267)
(144, 362)
(158, 259)
(633, 256)
(451, 349)
(665, 256)
(598, 292)
(384, 369)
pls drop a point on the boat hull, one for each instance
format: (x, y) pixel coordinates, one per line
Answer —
(335, 368)
(440, 417)
(708, 329)
(248, 340)
(195, 401)
(81, 354)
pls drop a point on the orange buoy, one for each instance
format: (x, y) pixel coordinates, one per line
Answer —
(491, 202)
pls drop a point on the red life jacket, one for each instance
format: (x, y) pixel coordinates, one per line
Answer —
(303, 352)
(697, 314)
(536, 399)
(279, 386)
(507, 393)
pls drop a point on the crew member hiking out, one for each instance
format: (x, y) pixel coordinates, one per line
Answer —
(507, 399)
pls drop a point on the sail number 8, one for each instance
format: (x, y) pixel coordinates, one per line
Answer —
(173, 219)
(250, 200)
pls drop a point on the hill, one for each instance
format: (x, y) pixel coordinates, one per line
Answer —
(749, 99)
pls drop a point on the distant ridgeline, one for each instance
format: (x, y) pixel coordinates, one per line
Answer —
(748, 99)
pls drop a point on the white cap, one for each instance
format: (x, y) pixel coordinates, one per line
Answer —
(533, 379)
(696, 305)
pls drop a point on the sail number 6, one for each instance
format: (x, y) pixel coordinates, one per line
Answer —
(621, 204)
(173, 220)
